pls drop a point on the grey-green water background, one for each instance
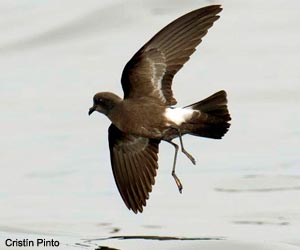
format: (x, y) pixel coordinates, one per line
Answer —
(56, 178)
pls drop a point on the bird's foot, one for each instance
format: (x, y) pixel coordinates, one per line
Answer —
(192, 159)
(178, 182)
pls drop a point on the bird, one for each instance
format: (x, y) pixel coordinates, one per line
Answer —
(147, 114)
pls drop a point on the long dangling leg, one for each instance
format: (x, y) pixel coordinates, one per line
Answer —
(184, 151)
(178, 183)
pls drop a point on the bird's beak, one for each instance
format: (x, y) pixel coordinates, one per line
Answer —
(91, 110)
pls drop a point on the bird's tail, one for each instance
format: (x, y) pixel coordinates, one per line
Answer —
(212, 120)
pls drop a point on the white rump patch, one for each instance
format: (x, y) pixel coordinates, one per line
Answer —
(178, 115)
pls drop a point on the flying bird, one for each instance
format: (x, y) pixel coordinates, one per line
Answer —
(146, 115)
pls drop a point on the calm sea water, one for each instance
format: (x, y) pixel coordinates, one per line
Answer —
(56, 179)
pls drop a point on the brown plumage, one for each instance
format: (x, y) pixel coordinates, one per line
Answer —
(134, 161)
(165, 55)
(144, 117)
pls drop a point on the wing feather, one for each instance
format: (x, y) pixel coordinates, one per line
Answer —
(151, 70)
(134, 165)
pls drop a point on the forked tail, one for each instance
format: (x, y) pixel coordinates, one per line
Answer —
(213, 119)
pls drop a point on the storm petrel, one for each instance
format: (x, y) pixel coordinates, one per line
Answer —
(146, 116)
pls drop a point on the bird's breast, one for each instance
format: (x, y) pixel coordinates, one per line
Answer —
(143, 119)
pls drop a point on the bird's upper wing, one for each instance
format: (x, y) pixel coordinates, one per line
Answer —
(134, 165)
(151, 70)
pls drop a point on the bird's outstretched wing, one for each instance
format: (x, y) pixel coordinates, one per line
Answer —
(151, 70)
(134, 165)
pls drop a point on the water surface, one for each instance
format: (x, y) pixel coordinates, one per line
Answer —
(56, 179)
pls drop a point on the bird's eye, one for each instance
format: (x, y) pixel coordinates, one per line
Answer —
(97, 100)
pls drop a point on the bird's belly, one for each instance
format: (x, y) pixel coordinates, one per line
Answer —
(146, 123)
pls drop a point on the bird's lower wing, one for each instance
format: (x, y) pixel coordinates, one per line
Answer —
(134, 165)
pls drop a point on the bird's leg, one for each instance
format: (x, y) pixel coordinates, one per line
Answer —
(178, 183)
(183, 150)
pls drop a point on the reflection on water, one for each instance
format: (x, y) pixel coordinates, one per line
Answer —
(152, 237)
(106, 248)
(148, 237)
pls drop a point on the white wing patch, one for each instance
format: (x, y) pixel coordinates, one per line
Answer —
(178, 115)
(158, 71)
(156, 62)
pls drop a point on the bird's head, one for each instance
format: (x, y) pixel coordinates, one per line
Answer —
(104, 102)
